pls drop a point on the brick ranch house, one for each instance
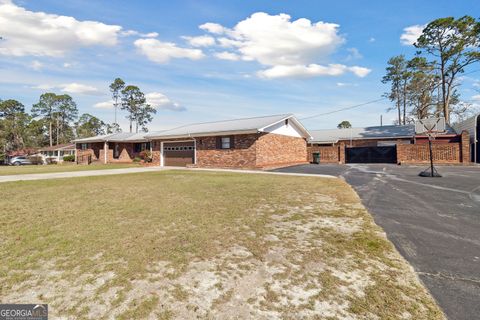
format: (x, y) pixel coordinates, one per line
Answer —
(250, 143)
(386, 144)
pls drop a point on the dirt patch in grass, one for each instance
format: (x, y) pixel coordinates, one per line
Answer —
(177, 244)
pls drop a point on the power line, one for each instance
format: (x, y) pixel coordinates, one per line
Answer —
(362, 104)
(343, 109)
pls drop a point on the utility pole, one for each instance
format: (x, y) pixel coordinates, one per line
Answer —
(381, 120)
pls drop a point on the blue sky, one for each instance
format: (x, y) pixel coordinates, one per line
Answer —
(213, 60)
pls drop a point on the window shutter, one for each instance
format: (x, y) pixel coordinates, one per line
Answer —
(232, 142)
(219, 142)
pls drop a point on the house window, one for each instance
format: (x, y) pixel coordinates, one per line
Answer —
(84, 146)
(139, 147)
(225, 142)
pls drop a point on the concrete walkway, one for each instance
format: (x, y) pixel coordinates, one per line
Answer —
(91, 173)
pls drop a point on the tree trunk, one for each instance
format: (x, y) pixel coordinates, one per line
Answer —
(130, 126)
(58, 131)
(444, 93)
(399, 110)
(50, 133)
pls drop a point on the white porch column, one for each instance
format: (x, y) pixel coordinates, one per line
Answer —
(105, 152)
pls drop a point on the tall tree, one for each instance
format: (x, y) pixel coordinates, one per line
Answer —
(36, 133)
(421, 88)
(14, 120)
(455, 45)
(344, 125)
(397, 75)
(132, 101)
(144, 116)
(47, 107)
(113, 128)
(88, 126)
(116, 88)
(66, 114)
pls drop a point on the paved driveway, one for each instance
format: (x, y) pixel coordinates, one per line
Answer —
(433, 222)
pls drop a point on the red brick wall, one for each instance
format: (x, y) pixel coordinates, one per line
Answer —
(328, 154)
(93, 150)
(465, 143)
(243, 155)
(279, 150)
(250, 151)
(155, 152)
(97, 151)
(126, 153)
(419, 153)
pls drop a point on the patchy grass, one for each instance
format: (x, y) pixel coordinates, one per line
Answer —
(61, 167)
(183, 244)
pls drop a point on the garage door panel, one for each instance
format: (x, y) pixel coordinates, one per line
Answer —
(371, 154)
(178, 154)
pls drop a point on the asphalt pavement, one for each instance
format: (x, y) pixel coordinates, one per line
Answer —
(433, 222)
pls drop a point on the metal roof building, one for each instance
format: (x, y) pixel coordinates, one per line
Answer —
(375, 132)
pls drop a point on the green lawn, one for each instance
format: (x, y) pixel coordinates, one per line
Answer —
(185, 244)
(63, 167)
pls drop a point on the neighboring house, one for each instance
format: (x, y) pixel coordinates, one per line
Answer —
(57, 152)
(472, 126)
(385, 144)
(256, 143)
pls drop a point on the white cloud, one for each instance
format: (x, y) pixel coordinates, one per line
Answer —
(36, 65)
(161, 101)
(359, 71)
(311, 70)
(354, 54)
(225, 55)
(288, 48)
(41, 34)
(73, 87)
(229, 43)
(155, 99)
(476, 97)
(104, 105)
(67, 64)
(130, 33)
(214, 28)
(275, 40)
(200, 41)
(346, 84)
(372, 39)
(79, 88)
(411, 34)
(44, 87)
(161, 52)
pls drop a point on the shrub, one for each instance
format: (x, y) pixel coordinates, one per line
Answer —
(36, 159)
(69, 158)
(146, 155)
(137, 159)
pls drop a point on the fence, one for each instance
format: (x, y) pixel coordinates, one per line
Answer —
(419, 153)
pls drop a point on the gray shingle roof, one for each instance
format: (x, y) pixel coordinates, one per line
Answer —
(234, 125)
(115, 137)
(385, 132)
